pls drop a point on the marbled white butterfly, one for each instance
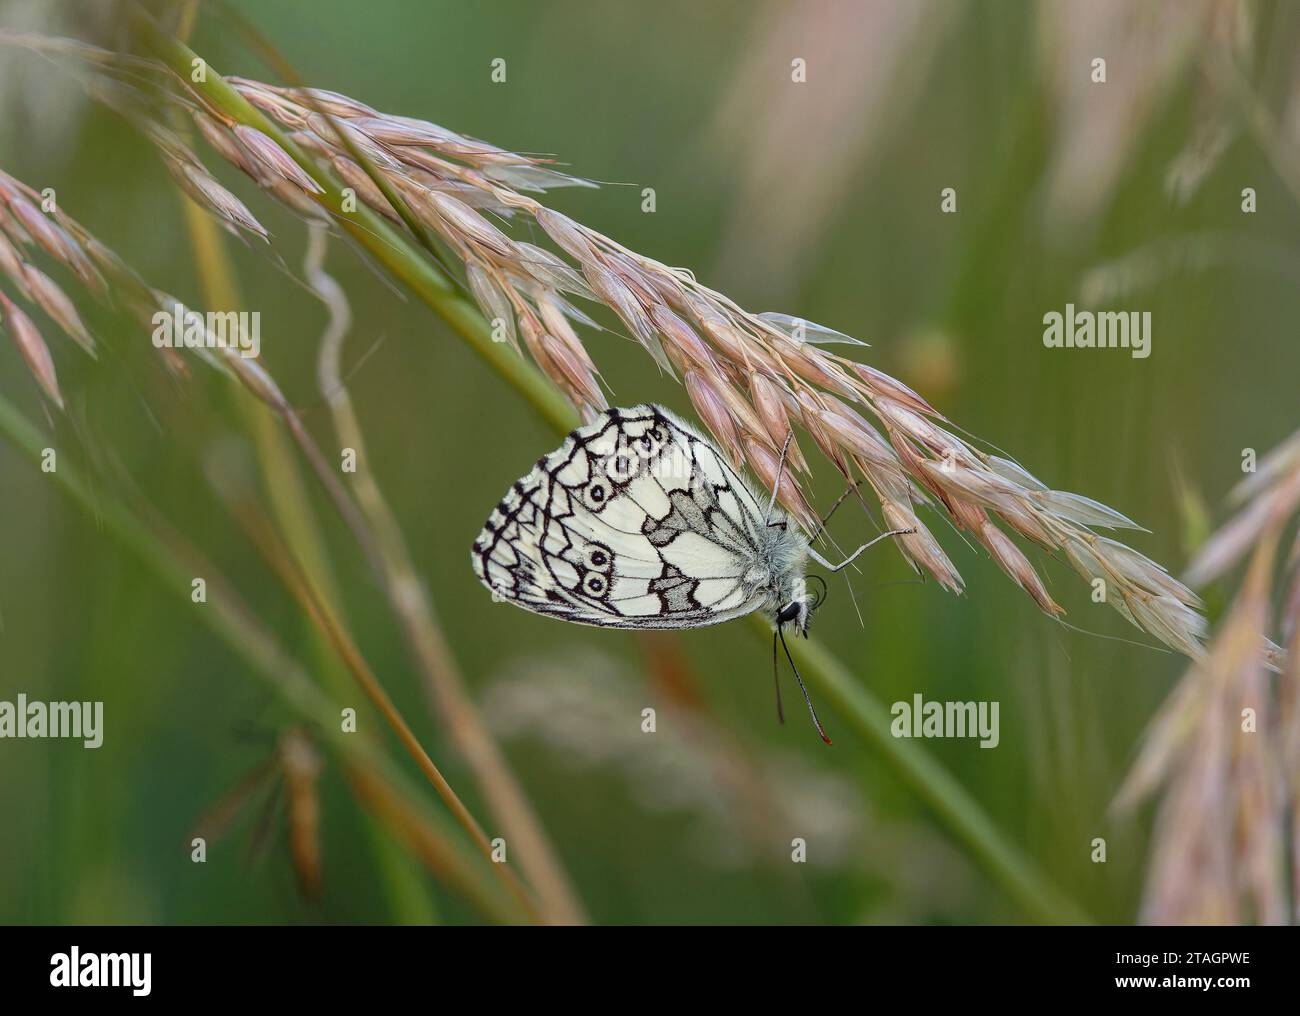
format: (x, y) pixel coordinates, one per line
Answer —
(637, 521)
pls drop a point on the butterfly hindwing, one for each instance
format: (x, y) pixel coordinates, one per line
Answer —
(635, 521)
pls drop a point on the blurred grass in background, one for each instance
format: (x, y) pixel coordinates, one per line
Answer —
(820, 200)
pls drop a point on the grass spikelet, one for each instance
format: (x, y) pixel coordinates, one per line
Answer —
(33, 349)
(46, 293)
(204, 189)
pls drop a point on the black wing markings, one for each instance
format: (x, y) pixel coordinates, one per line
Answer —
(673, 588)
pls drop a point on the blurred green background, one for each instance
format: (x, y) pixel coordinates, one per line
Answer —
(820, 200)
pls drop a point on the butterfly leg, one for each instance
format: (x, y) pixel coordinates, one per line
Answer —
(780, 468)
(854, 556)
(838, 501)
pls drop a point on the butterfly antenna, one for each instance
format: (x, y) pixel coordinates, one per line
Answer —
(819, 599)
(806, 697)
(776, 680)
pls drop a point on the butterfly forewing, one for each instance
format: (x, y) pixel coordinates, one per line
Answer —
(635, 521)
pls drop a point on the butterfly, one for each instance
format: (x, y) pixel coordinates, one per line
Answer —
(638, 521)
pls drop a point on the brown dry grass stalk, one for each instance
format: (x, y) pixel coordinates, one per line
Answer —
(142, 301)
(165, 553)
(262, 532)
(415, 613)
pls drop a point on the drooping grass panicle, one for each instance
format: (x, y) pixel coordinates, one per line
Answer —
(26, 233)
(750, 377)
(1225, 746)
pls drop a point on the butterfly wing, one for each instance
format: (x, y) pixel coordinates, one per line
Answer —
(635, 521)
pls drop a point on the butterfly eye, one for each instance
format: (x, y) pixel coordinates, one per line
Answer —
(597, 558)
(789, 612)
(594, 585)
